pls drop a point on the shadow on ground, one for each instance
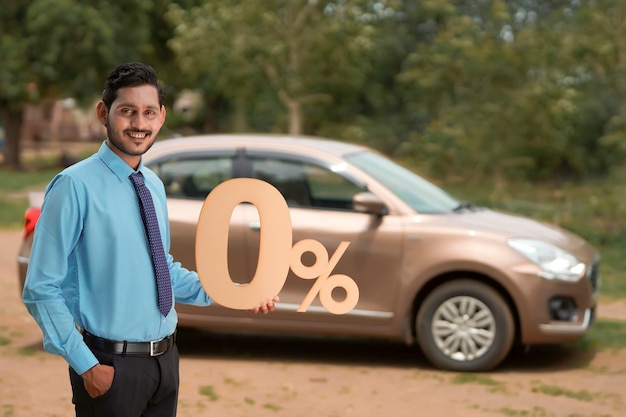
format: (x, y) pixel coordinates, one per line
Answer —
(208, 345)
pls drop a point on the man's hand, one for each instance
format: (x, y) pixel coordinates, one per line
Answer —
(266, 308)
(98, 380)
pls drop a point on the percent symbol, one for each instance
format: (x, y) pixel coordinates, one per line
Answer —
(276, 253)
(325, 282)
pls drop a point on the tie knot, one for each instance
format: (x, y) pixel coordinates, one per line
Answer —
(136, 178)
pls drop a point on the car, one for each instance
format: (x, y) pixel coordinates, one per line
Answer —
(464, 284)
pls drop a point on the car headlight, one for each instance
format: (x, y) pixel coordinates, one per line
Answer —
(555, 262)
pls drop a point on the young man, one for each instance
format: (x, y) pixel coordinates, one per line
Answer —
(101, 283)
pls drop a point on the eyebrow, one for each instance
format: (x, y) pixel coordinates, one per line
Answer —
(134, 106)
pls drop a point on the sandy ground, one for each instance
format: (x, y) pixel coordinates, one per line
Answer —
(226, 375)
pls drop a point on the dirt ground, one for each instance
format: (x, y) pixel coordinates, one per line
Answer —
(226, 375)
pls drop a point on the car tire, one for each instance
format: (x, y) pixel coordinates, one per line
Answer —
(465, 325)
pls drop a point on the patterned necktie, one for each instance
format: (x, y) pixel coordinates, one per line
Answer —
(150, 222)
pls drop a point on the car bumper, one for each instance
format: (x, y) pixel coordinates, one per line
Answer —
(573, 329)
(22, 266)
(561, 311)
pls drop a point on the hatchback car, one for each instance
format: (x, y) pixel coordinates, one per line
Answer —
(464, 283)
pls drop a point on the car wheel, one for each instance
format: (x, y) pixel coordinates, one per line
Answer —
(465, 325)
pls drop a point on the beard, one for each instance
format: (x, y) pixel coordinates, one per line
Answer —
(126, 144)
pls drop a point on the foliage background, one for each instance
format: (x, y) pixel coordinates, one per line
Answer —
(479, 90)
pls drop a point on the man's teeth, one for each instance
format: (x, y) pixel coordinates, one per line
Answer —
(138, 135)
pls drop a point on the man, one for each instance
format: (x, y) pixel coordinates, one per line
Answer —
(101, 283)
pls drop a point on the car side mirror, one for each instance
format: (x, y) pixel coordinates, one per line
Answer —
(367, 202)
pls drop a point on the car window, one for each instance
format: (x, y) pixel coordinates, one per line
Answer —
(421, 195)
(194, 177)
(305, 184)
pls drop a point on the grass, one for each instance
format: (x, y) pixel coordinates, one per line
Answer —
(12, 211)
(14, 188)
(604, 334)
(209, 392)
(556, 391)
(273, 407)
(468, 378)
(8, 410)
(480, 379)
(231, 381)
(38, 170)
(535, 412)
(27, 351)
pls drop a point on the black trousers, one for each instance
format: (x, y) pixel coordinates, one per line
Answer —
(142, 387)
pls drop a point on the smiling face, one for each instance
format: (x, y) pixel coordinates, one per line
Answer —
(133, 121)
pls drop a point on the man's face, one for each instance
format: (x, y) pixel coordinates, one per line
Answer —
(133, 121)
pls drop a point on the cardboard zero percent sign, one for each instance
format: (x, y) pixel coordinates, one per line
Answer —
(276, 254)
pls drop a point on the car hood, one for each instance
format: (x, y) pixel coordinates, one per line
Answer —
(506, 225)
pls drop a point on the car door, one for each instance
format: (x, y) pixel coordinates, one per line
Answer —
(320, 204)
(188, 179)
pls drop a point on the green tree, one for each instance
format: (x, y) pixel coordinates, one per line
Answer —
(303, 52)
(599, 33)
(459, 81)
(500, 94)
(56, 49)
(14, 77)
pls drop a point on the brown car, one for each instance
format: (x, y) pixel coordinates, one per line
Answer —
(464, 283)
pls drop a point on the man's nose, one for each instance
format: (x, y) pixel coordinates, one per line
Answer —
(139, 121)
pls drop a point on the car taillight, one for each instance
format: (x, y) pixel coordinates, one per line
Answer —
(30, 220)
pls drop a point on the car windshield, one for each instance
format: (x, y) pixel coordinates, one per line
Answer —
(421, 195)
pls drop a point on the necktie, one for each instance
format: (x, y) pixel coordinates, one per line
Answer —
(151, 224)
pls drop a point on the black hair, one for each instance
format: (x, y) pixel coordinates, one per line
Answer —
(131, 74)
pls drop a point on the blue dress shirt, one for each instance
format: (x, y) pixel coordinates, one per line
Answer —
(90, 263)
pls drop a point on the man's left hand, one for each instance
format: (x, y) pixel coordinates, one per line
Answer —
(265, 308)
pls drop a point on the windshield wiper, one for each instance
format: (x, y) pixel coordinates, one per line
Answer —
(464, 205)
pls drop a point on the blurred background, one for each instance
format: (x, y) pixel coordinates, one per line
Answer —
(513, 104)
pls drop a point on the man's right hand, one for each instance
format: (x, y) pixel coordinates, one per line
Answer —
(98, 380)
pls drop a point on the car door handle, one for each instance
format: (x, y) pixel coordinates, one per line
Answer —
(255, 225)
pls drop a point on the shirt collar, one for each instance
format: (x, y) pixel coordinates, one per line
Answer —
(116, 164)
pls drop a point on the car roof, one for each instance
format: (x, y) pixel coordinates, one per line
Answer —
(268, 141)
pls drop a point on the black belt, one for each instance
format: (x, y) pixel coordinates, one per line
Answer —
(151, 348)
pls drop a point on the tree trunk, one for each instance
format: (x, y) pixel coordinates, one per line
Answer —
(239, 123)
(209, 124)
(295, 117)
(12, 120)
(211, 120)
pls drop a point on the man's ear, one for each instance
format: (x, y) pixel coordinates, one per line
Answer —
(162, 115)
(102, 113)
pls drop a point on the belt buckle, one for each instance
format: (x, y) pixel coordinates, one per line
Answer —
(153, 346)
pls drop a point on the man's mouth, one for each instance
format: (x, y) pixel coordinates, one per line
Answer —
(138, 134)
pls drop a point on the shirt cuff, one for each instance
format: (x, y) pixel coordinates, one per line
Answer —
(81, 359)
